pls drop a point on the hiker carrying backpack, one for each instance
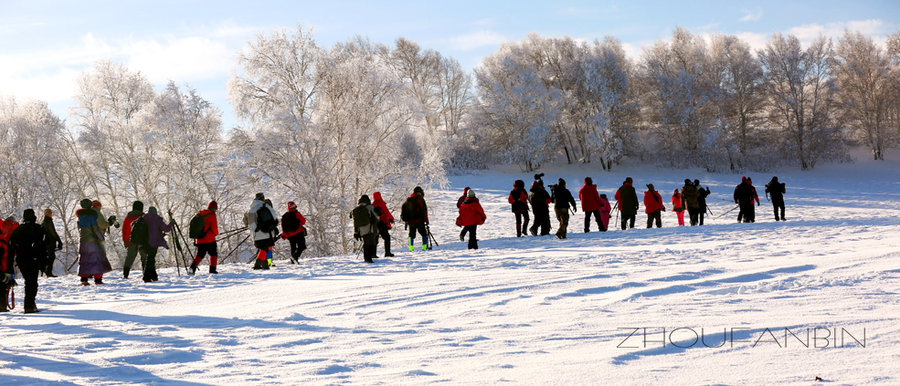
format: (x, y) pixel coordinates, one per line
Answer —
(365, 227)
(261, 220)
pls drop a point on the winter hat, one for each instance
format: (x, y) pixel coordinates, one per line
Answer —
(676, 191)
(561, 182)
(137, 206)
(364, 199)
(687, 181)
(775, 179)
(628, 180)
(519, 184)
(697, 182)
(213, 205)
(152, 209)
(466, 190)
(650, 186)
(743, 178)
(85, 203)
(749, 181)
(418, 189)
(28, 216)
(97, 204)
(48, 212)
(377, 196)
(292, 205)
(259, 196)
(470, 193)
(588, 181)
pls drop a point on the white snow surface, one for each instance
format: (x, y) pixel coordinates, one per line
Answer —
(530, 310)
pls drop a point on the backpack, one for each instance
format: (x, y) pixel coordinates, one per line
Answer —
(362, 217)
(140, 232)
(290, 222)
(197, 226)
(411, 211)
(264, 220)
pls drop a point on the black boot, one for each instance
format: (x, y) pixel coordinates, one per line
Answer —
(125, 274)
(193, 268)
(84, 281)
(212, 269)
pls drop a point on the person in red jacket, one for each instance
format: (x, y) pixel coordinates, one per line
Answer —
(605, 208)
(678, 207)
(471, 215)
(207, 243)
(292, 230)
(653, 205)
(131, 250)
(385, 219)
(590, 204)
(459, 201)
(518, 198)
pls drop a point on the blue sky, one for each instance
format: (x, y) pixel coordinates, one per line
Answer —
(46, 45)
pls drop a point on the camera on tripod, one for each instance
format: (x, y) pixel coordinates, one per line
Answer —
(537, 177)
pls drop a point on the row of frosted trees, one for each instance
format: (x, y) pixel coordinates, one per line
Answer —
(321, 126)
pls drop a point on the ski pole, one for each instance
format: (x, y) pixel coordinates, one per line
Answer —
(431, 236)
(732, 210)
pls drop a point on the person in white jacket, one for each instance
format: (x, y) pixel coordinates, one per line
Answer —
(263, 222)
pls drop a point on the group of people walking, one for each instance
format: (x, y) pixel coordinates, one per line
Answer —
(32, 247)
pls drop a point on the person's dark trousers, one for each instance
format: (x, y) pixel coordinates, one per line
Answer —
(30, 274)
(521, 224)
(656, 215)
(298, 245)
(587, 220)
(3, 305)
(746, 212)
(51, 257)
(130, 253)
(778, 205)
(700, 216)
(750, 213)
(541, 220)
(562, 215)
(462, 233)
(418, 227)
(473, 239)
(628, 220)
(385, 234)
(370, 246)
(149, 255)
(694, 214)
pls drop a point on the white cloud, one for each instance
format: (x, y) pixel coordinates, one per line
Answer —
(179, 59)
(752, 16)
(477, 40)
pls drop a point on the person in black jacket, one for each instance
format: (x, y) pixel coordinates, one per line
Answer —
(702, 193)
(518, 199)
(28, 243)
(540, 205)
(53, 242)
(743, 196)
(775, 192)
(562, 198)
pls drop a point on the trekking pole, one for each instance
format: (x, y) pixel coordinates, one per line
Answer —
(709, 211)
(236, 247)
(617, 213)
(732, 210)
(229, 233)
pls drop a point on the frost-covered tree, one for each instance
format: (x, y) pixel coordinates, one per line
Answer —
(801, 98)
(114, 147)
(866, 81)
(680, 98)
(324, 127)
(739, 78)
(517, 109)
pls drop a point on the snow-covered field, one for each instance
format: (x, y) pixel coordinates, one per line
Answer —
(533, 310)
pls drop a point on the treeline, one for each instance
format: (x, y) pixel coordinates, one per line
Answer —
(321, 126)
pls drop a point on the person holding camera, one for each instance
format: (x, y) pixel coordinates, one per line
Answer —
(540, 205)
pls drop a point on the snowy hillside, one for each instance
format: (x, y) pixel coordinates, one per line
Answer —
(533, 310)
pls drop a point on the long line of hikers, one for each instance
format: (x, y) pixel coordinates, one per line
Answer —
(33, 246)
